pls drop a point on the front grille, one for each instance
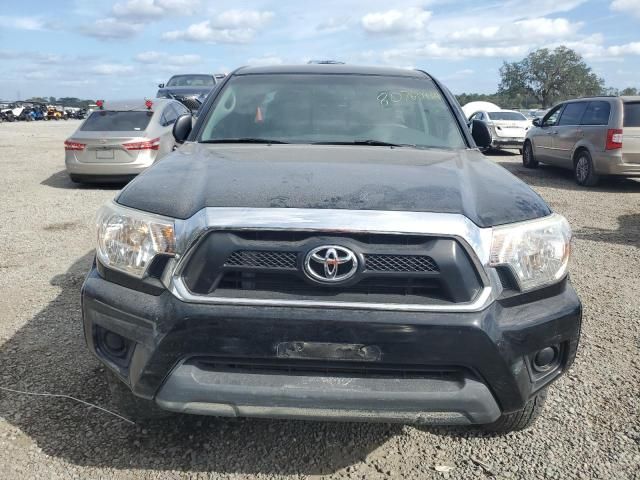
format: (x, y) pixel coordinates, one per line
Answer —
(400, 263)
(394, 268)
(262, 259)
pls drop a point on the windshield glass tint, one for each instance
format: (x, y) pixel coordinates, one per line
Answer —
(191, 81)
(106, 121)
(632, 114)
(333, 108)
(506, 116)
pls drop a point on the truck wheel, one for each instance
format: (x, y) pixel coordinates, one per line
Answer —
(128, 405)
(528, 159)
(511, 422)
(584, 171)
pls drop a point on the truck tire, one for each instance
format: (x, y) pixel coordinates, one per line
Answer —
(511, 422)
(128, 405)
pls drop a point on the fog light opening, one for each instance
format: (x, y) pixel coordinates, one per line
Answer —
(115, 344)
(546, 359)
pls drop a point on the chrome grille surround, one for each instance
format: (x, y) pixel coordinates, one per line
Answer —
(475, 240)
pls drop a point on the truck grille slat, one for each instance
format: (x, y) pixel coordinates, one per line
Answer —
(262, 259)
(373, 263)
(400, 263)
(288, 283)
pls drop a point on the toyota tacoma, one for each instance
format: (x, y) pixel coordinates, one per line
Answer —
(329, 242)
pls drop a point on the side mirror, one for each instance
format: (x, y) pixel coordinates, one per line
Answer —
(537, 122)
(182, 128)
(161, 85)
(481, 134)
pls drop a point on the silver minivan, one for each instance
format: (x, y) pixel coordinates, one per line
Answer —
(592, 136)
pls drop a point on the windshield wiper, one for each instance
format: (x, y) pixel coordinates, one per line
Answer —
(242, 140)
(375, 143)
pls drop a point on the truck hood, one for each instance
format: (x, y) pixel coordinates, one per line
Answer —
(337, 177)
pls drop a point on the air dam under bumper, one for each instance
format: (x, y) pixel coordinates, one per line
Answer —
(190, 389)
(433, 367)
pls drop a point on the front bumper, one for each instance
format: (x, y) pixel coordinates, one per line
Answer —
(432, 367)
(507, 142)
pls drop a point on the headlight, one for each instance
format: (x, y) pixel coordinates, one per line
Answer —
(536, 251)
(129, 240)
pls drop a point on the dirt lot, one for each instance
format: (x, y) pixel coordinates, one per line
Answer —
(590, 429)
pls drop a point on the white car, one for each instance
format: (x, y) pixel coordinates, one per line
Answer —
(508, 127)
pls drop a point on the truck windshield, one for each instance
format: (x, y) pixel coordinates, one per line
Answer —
(191, 81)
(109, 121)
(332, 108)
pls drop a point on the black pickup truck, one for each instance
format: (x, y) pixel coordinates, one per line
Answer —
(329, 243)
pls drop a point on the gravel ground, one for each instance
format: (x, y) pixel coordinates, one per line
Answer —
(590, 428)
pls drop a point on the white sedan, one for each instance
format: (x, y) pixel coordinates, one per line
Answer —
(508, 127)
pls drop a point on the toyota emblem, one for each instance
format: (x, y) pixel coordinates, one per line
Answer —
(330, 264)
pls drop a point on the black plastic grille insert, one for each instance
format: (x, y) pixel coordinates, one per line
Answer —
(262, 259)
(400, 263)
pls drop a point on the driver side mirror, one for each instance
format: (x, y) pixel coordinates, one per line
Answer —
(182, 128)
(161, 85)
(537, 122)
(481, 134)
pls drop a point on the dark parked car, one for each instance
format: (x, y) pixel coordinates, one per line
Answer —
(329, 243)
(190, 89)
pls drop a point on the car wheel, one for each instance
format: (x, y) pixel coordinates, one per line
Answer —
(584, 172)
(128, 405)
(528, 160)
(521, 419)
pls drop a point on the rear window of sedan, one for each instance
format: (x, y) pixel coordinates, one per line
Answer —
(191, 81)
(632, 114)
(514, 116)
(109, 121)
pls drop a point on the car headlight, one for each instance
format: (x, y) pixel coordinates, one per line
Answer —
(129, 240)
(536, 251)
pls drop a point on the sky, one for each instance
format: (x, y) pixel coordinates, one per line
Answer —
(116, 49)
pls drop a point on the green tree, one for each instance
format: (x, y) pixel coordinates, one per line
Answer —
(630, 91)
(549, 76)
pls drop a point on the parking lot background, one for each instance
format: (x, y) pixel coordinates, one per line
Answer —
(590, 428)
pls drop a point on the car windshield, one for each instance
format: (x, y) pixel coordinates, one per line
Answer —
(191, 81)
(517, 116)
(333, 108)
(110, 121)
